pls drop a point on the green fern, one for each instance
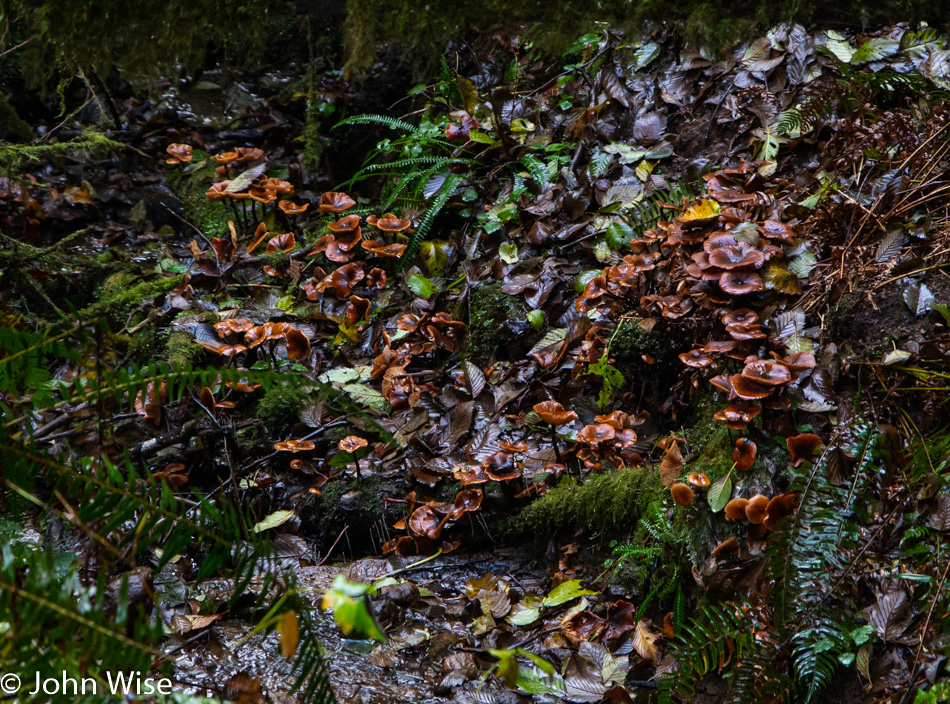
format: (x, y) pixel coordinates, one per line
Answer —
(808, 554)
(25, 361)
(452, 181)
(384, 120)
(720, 636)
(648, 211)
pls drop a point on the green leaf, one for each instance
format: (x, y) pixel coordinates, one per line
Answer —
(242, 181)
(420, 285)
(564, 592)
(275, 519)
(468, 92)
(367, 396)
(720, 493)
(580, 283)
(536, 318)
(508, 253)
(874, 50)
(619, 234)
(482, 138)
(522, 615)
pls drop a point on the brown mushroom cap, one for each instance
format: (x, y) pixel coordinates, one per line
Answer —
(281, 243)
(755, 509)
(802, 447)
(749, 390)
(248, 153)
(698, 479)
(291, 208)
(179, 153)
(596, 434)
(743, 316)
(744, 454)
(738, 413)
(391, 223)
(335, 202)
(352, 443)
(298, 345)
(696, 358)
(378, 249)
(553, 413)
(739, 282)
(780, 507)
(767, 372)
(618, 419)
(735, 510)
(775, 230)
(682, 494)
(345, 224)
(736, 256)
(726, 546)
(294, 446)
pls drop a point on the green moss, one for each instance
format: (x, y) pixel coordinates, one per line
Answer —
(328, 514)
(489, 309)
(278, 408)
(190, 188)
(181, 349)
(119, 294)
(608, 505)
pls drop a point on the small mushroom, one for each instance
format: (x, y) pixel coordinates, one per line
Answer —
(682, 494)
(351, 444)
(554, 414)
(293, 209)
(696, 358)
(179, 153)
(294, 446)
(334, 202)
(744, 454)
(739, 282)
(779, 507)
(735, 509)
(755, 509)
(730, 545)
(802, 447)
(738, 415)
(391, 223)
(698, 479)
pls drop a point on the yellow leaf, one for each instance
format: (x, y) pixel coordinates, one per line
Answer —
(707, 209)
(643, 642)
(289, 634)
(778, 277)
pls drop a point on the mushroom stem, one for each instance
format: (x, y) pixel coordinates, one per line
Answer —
(359, 476)
(557, 452)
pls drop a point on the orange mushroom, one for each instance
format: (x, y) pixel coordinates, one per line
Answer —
(730, 545)
(179, 153)
(735, 509)
(802, 447)
(352, 444)
(292, 209)
(682, 494)
(779, 507)
(755, 509)
(294, 446)
(334, 202)
(378, 249)
(345, 224)
(298, 346)
(698, 479)
(391, 223)
(744, 454)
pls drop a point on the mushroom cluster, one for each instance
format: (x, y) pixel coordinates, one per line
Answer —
(761, 513)
(426, 520)
(296, 342)
(609, 438)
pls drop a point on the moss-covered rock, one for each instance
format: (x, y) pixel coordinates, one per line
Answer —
(121, 292)
(279, 406)
(607, 505)
(190, 188)
(489, 309)
(181, 349)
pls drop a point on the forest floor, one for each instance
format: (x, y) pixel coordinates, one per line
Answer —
(635, 360)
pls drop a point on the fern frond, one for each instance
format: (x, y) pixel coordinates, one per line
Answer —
(442, 196)
(384, 120)
(719, 637)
